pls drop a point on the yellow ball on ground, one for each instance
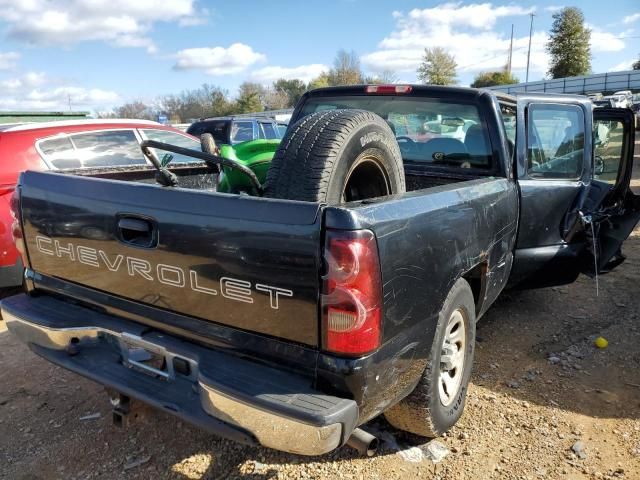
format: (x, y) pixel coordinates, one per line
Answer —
(601, 342)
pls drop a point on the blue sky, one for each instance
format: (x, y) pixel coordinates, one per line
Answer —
(101, 53)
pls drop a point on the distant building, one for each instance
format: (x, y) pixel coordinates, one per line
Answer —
(28, 117)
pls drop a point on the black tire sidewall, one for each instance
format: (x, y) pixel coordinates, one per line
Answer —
(371, 139)
(443, 418)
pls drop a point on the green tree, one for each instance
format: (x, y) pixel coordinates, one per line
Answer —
(569, 44)
(206, 101)
(489, 79)
(250, 98)
(438, 67)
(346, 69)
(320, 81)
(636, 64)
(294, 89)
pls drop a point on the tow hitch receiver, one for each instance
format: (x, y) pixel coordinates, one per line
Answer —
(121, 406)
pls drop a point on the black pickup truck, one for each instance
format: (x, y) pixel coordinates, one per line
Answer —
(291, 323)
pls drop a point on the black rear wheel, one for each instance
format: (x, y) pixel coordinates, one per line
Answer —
(437, 402)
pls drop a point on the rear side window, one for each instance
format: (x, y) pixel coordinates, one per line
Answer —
(59, 152)
(555, 141)
(268, 131)
(93, 149)
(282, 129)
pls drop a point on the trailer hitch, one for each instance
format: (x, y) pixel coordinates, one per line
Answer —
(121, 407)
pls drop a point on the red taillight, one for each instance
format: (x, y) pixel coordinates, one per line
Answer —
(16, 226)
(388, 89)
(351, 302)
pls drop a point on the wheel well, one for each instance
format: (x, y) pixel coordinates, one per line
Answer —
(476, 279)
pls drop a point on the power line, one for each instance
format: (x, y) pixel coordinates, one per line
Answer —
(529, 51)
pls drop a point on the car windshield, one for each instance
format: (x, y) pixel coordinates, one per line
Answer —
(428, 130)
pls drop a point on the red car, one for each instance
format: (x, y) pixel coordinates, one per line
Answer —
(69, 145)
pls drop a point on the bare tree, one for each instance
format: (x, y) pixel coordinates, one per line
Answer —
(346, 69)
(136, 109)
(385, 77)
(274, 99)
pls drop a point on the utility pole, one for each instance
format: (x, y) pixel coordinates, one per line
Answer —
(510, 52)
(529, 51)
(69, 100)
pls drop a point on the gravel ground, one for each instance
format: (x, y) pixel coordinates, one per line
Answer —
(544, 403)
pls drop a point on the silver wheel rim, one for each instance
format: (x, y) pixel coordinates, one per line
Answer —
(452, 358)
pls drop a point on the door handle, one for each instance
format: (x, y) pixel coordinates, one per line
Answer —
(134, 224)
(139, 232)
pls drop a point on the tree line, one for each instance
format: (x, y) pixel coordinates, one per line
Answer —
(213, 101)
(568, 46)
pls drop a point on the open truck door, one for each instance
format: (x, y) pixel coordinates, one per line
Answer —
(614, 209)
(573, 166)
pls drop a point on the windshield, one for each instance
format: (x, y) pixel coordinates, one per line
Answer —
(428, 130)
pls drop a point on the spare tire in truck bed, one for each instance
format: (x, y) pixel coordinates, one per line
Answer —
(336, 156)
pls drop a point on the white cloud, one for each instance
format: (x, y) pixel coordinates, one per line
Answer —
(631, 18)
(605, 41)
(8, 60)
(553, 8)
(28, 80)
(306, 73)
(466, 31)
(36, 91)
(622, 66)
(118, 22)
(218, 61)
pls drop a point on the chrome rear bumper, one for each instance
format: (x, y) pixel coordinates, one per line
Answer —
(230, 396)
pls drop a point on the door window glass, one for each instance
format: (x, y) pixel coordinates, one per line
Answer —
(173, 138)
(555, 141)
(241, 132)
(509, 121)
(608, 150)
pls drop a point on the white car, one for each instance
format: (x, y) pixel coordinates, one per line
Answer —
(621, 99)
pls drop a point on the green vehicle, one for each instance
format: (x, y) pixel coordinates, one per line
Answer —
(255, 154)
